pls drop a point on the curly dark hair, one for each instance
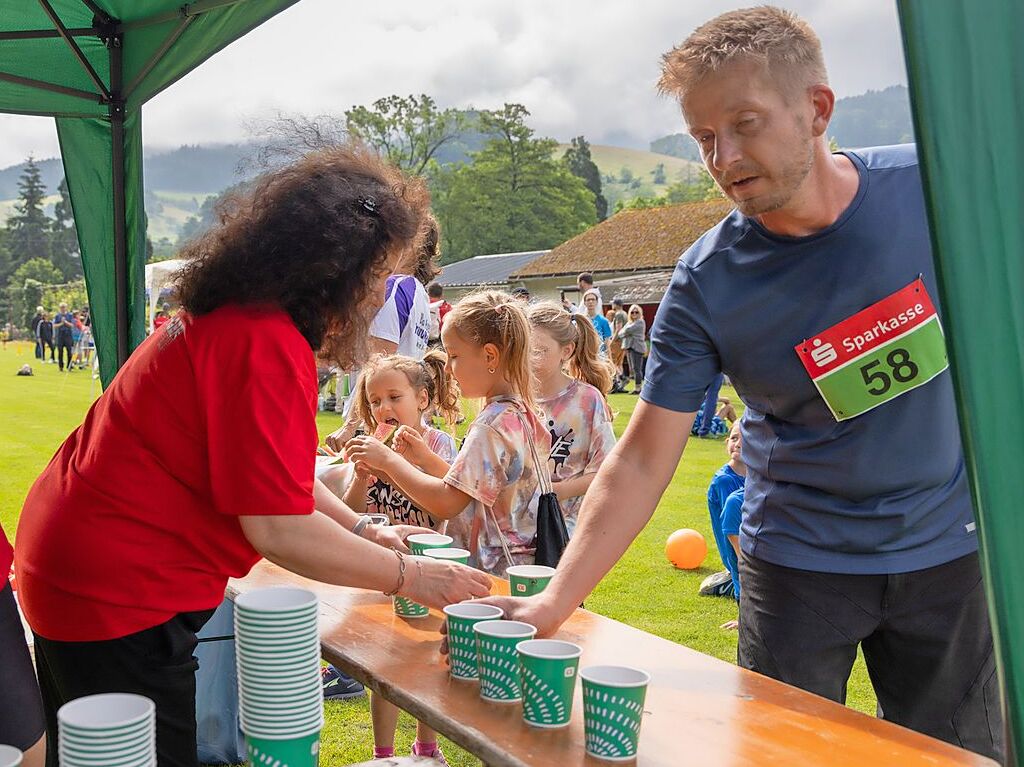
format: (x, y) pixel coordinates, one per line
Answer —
(311, 237)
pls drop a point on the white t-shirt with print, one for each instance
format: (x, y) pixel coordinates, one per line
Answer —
(404, 319)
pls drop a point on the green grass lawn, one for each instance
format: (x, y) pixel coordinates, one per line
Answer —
(643, 589)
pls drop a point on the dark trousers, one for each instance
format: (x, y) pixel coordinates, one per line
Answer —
(156, 662)
(636, 364)
(710, 405)
(64, 344)
(925, 636)
(43, 344)
(21, 709)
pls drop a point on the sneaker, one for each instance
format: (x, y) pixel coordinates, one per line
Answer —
(338, 686)
(436, 754)
(717, 585)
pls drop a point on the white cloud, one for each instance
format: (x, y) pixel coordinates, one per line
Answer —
(580, 67)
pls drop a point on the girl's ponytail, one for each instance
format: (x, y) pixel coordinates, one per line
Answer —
(586, 363)
(443, 389)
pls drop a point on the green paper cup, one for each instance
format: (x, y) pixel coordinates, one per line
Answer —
(276, 600)
(10, 756)
(420, 542)
(291, 752)
(406, 608)
(613, 706)
(549, 669)
(452, 555)
(497, 661)
(461, 618)
(107, 712)
(527, 580)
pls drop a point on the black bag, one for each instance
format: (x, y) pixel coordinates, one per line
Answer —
(552, 535)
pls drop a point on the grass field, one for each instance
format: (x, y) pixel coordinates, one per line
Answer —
(642, 590)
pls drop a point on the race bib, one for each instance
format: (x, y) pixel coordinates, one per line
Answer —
(877, 354)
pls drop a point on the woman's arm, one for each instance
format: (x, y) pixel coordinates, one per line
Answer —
(314, 546)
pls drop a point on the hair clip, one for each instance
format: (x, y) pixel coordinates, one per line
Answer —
(369, 203)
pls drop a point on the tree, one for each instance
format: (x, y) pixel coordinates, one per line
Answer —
(408, 131)
(64, 250)
(29, 228)
(514, 196)
(25, 287)
(577, 158)
(659, 173)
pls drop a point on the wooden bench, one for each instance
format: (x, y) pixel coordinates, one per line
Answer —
(699, 710)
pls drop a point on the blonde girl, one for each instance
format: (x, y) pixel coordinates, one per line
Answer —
(571, 380)
(490, 493)
(399, 391)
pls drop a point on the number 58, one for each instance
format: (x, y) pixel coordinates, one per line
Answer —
(901, 368)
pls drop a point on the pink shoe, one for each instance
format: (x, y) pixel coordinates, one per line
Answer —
(434, 753)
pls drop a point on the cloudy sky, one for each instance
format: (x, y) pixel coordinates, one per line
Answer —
(580, 66)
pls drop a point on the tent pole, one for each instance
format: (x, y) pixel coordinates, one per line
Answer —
(41, 34)
(63, 31)
(45, 86)
(117, 116)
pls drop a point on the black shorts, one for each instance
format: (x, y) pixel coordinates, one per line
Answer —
(21, 708)
(156, 662)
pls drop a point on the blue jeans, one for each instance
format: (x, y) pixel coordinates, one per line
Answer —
(710, 405)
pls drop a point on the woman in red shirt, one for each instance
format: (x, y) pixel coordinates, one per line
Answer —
(198, 459)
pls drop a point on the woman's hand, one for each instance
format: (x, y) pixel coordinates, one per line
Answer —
(393, 536)
(410, 444)
(438, 583)
(370, 452)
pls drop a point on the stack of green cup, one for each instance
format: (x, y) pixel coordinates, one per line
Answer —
(108, 730)
(461, 619)
(280, 697)
(10, 756)
(549, 679)
(527, 580)
(419, 544)
(613, 706)
(450, 554)
(497, 661)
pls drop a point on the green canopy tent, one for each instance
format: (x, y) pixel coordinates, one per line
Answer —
(966, 68)
(92, 64)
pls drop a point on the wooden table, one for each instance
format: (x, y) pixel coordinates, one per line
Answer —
(699, 710)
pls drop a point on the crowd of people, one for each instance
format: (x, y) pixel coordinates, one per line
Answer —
(66, 335)
(847, 533)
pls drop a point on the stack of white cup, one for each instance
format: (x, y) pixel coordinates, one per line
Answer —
(108, 730)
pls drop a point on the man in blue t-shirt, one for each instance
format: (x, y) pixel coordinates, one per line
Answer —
(818, 299)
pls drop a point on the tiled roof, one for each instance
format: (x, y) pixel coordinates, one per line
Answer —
(652, 238)
(646, 288)
(487, 270)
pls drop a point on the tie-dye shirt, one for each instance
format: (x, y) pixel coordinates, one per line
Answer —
(496, 470)
(580, 427)
(384, 498)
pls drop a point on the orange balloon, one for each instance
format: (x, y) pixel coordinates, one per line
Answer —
(686, 549)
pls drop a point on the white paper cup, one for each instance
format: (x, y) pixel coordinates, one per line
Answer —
(10, 756)
(277, 599)
(106, 711)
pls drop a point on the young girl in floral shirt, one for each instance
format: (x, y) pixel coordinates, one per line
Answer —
(570, 381)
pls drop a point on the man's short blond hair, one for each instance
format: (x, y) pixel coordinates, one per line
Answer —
(782, 40)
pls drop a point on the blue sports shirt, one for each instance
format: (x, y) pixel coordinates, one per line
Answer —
(732, 515)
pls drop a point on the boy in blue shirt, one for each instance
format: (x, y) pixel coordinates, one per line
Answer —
(726, 481)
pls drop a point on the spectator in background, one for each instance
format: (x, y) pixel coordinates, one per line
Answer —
(710, 403)
(162, 317)
(634, 341)
(44, 337)
(63, 324)
(521, 294)
(35, 332)
(585, 282)
(592, 309)
(438, 308)
(616, 351)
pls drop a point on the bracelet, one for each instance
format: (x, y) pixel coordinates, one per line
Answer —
(358, 527)
(401, 574)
